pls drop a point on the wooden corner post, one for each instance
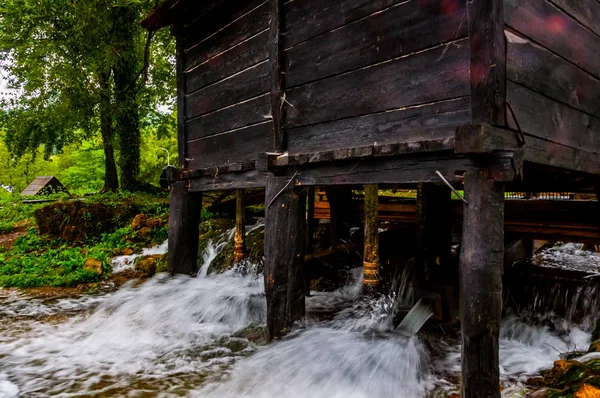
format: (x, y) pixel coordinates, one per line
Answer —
(371, 264)
(284, 254)
(184, 221)
(481, 267)
(239, 237)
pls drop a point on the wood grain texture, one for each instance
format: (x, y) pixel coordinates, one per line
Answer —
(486, 139)
(535, 67)
(232, 147)
(250, 83)
(543, 117)
(310, 18)
(181, 104)
(371, 265)
(488, 61)
(393, 170)
(220, 182)
(221, 23)
(284, 255)
(233, 60)
(430, 121)
(396, 31)
(586, 12)
(437, 74)
(184, 218)
(242, 114)
(481, 268)
(552, 28)
(276, 71)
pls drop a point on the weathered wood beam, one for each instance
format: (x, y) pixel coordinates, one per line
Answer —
(221, 182)
(371, 265)
(184, 221)
(488, 61)
(310, 219)
(434, 217)
(277, 140)
(481, 267)
(482, 139)
(182, 138)
(239, 237)
(284, 255)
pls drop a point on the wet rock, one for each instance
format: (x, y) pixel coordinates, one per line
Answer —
(127, 252)
(587, 391)
(146, 266)
(146, 231)
(139, 221)
(93, 265)
(595, 346)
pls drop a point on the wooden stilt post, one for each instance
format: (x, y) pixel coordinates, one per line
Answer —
(183, 229)
(239, 238)
(310, 218)
(481, 261)
(434, 232)
(284, 254)
(371, 278)
(340, 212)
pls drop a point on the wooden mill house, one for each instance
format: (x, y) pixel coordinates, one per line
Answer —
(488, 95)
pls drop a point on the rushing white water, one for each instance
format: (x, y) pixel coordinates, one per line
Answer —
(181, 336)
(122, 263)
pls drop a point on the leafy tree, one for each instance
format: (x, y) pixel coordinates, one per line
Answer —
(83, 69)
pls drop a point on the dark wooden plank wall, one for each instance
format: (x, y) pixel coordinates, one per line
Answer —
(553, 69)
(226, 81)
(360, 72)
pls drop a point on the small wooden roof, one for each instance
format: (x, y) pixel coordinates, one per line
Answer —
(44, 185)
(162, 15)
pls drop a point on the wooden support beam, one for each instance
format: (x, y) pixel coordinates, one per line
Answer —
(434, 231)
(277, 141)
(341, 206)
(284, 254)
(239, 237)
(482, 139)
(488, 61)
(371, 265)
(184, 222)
(310, 219)
(481, 267)
(181, 116)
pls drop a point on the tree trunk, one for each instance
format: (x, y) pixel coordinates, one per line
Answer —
(127, 120)
(111, 180)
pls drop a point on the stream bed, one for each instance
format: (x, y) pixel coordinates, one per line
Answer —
(192, 337)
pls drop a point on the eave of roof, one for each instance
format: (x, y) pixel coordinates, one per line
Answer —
(161, 16)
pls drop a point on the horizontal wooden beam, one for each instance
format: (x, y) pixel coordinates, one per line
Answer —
(482, 139)
(245, 179)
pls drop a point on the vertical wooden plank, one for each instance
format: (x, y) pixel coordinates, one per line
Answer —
(277, 140)
(340, 212)
(284, 255)
(488, 61)
(184, 219)
(181, 112)
(481, 266)
(371, 264)
(434, 232)
(239, 237)
(310, 218)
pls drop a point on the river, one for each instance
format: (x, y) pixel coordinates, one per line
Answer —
(189, 337)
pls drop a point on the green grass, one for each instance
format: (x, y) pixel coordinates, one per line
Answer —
(36, 260)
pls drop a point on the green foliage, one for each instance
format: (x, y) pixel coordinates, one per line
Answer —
(36, 260)
(83, 69)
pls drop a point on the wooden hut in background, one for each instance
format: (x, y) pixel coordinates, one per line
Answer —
(44, 185)
(280, 94)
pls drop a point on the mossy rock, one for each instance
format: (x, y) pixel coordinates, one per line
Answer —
(254, 252)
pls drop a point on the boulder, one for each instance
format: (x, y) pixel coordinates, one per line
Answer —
(147, 266)
(93, 265)
(139, 221)
(587, 391)
(127, 252)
